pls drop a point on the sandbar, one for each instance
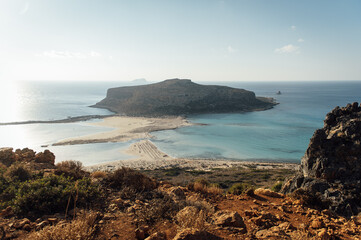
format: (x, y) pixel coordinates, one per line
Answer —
(127, 128)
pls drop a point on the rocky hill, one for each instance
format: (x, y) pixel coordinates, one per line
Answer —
(180, 97)
(331, 167)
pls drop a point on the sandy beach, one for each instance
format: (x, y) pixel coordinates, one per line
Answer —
(148, 157)
(146, 154)
(126, 129)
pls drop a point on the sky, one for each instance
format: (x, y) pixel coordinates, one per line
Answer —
(203, 40)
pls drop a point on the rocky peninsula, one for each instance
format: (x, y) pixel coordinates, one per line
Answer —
(175, 97)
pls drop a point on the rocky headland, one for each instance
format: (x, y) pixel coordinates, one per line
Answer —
(175, 97)
(331, 167)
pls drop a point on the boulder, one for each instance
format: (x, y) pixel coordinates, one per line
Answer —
(331, 166)
(228, 219)
(267, 192)
(7, 156)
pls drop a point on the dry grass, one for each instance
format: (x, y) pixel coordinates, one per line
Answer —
(82, 228)
(203, 188)
(191, 217)
(98, 174)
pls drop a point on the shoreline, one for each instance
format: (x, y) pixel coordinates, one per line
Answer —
(148, 157)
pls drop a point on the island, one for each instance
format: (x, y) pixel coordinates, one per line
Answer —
(179, 97)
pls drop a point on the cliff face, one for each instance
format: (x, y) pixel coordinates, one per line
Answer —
(180, 97)
(331, 166)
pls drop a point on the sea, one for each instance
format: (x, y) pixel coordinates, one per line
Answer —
(280, 134)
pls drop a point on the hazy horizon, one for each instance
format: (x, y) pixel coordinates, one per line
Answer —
(205, 41)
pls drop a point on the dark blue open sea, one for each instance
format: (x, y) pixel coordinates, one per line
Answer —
(279, 134)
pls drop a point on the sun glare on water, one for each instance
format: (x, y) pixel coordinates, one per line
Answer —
(9, 102)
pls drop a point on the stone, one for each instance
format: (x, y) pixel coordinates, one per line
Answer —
(7, 156)
(186, 212)
(52, 220)
(228, 219)
(45, 157)
(42, 224)
(178, 192)
(272, 233)
(331, 167)
(267, 192)
(157, 236)
(7, 212)
(317, 223)
(323, 235)
(195, 234)
(140, 234)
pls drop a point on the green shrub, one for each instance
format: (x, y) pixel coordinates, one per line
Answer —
(238, 188)
(173, 172)
(129, 178)
(17, 172)
(49, 195)
(277, 187)
(73, 169)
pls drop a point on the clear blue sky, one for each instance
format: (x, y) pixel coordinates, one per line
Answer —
(240, 40)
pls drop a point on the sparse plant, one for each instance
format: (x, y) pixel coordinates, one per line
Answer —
(277, 187)
(126, 177)
(73, 169)
(238, 188)
(84, 227)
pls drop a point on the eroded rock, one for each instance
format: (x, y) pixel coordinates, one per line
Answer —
(331, 166)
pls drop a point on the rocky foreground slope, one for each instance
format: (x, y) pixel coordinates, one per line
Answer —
(331, 167)
(180, 97)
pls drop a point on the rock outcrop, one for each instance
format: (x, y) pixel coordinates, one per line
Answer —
(180, 97)
(27, 157)
(331, 166)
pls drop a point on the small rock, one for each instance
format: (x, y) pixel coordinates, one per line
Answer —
(228, 219)
(195, 234)
(317, 223)
(157, 236)
(52, 220)
(7, 212)
(267, 192)
(139, 234)
(323, 235)
(27, 227)
(178, 192)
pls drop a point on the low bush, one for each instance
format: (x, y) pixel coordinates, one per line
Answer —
(73, 169)
(277, 187)
(129, 178)
(17, 173)
(238, 188)
(48, 195)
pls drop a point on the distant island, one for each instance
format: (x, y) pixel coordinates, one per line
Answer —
(175, 97)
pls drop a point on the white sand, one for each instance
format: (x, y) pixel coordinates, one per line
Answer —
(148, 156)
(126, 129)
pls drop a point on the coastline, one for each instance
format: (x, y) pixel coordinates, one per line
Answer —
(148, 157)
(146, 154)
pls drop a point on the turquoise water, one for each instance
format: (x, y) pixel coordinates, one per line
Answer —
(279, 134)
